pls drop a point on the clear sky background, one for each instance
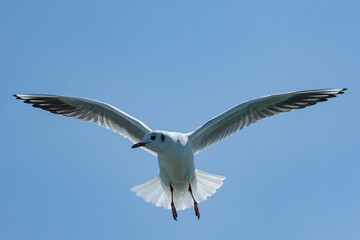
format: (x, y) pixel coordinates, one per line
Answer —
(175, 65)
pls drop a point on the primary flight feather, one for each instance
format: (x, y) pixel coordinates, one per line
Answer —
(179, 185)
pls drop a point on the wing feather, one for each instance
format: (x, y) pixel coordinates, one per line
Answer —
(100, 113)
(250, 112)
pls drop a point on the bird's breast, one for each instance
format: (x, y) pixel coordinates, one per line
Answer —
(176, 167)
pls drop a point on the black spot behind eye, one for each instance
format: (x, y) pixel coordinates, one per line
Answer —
(162, 137)
(152, 138)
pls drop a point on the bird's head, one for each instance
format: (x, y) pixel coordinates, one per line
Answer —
(154, 141)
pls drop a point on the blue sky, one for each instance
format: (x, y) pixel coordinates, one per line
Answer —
(175, 65)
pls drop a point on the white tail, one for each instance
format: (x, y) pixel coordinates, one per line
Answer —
(156, 192)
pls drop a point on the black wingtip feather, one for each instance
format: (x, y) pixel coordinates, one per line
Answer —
(342, 91)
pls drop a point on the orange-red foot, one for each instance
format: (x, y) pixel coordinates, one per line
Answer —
(173, 209)
(197, 213)
(174, 213)
(196, 208)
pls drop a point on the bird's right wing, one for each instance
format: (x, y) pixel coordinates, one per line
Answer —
(100, 113)
(249, 112)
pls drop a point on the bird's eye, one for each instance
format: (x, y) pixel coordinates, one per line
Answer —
(152, 138)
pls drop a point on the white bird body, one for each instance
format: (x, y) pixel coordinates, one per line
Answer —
(177, 167)
(179, 185)
(176, 160)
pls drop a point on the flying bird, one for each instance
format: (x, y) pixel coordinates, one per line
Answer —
(179, 185)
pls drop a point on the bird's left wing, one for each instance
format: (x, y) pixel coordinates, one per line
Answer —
(100, 113)
(249, 112)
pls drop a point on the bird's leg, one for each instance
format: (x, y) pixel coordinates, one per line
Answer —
(197, 213)
(173, 209)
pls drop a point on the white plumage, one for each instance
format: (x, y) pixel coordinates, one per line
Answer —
(179, 185)
(154, 191)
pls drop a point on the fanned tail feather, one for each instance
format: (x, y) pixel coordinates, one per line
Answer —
(207, 184)
(156, 192)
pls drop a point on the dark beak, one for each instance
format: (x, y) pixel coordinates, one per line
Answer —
(139, 144)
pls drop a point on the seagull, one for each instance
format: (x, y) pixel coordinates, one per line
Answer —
(179, 185)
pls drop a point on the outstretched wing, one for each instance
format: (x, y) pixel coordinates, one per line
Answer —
(249, 112)
(100, 113)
